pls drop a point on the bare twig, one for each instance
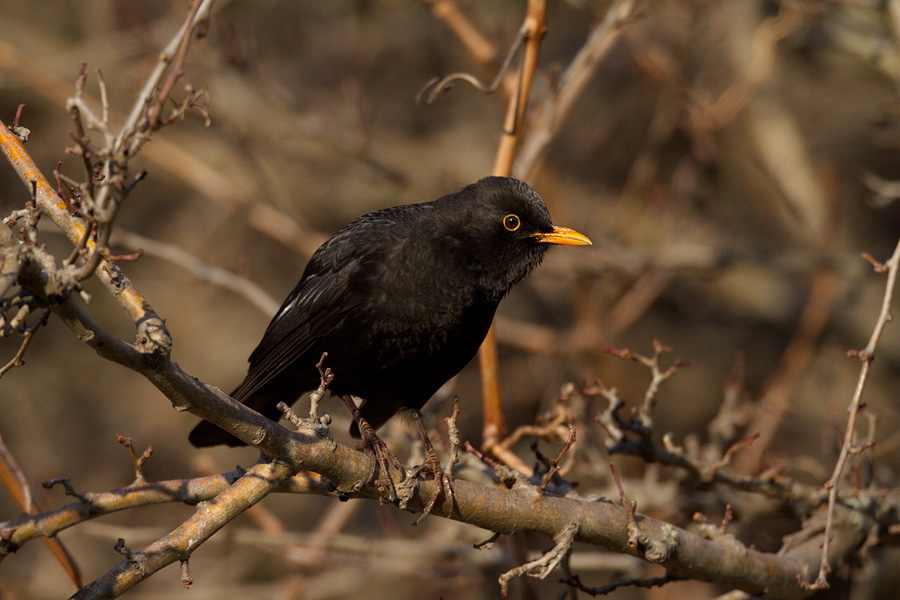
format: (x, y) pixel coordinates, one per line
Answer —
(13, 479)
(725, 108)
(499, 510)
(480, 47)
(137, 460)
(770, 483)
(866, 355)
(145, 112)
(533, 29)
(550, 426)
(554, 463)
(437, 87)
(510, 477)
(603, 590)
(325, 377)
(154, 337)
(204, 271)
(17, 360)
(629, 507)
(542, 566)
(658, 376)
(572, 84)
(178, 545)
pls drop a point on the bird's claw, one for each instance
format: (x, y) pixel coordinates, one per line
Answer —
(385, 459)
(385, 462)
(432, 464)
(444, 482)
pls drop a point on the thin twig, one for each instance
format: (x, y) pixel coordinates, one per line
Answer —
(554, 463)
(16, 360)
(542, 566)
(647, 583)
(204, 271)
(573, 83)
(533, 29)
(866, 355)
(437, 87)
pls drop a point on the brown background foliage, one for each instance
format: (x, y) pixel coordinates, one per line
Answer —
(707, 237)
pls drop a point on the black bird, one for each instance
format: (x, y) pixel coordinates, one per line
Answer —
(400, 299)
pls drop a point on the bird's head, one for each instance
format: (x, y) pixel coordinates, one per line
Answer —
(504, 232)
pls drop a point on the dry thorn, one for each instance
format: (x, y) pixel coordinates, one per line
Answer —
(186, 579)
(121, 257)
(554, 463)
(325, 378)
(67, 487)
(630, 509)
(320, 424)
(509, 477)
(712, 532)
(82, 141)
(15, 121)
(72, 186)
(314, 421)
(549, 427)
(138, 460)
(124, 550)
(878, 267)
(18, 359)
(608, 419)
(729, 454)
(20, 132)
(175, 67)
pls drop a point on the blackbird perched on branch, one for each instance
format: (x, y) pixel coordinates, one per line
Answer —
(400, 299)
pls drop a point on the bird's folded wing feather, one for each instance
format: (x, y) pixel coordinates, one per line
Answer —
(337, 277)
(315, 307)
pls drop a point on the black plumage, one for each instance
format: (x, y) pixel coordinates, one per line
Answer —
(401, 299)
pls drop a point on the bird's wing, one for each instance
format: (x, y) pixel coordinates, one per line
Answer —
(339, 275)
(318, 304)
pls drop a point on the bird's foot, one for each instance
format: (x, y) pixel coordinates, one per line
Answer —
(385, 460)
(432, 464)
(444, 483)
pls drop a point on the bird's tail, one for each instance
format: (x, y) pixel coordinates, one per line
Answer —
(206, 434)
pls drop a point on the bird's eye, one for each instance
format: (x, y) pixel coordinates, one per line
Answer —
(511, 222)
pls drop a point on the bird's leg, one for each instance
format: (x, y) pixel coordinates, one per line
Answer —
(432, 464)
(384, 457)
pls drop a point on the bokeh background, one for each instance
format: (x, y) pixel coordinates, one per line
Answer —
(731, 161)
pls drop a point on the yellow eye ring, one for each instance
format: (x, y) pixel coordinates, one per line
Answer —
(511, 222)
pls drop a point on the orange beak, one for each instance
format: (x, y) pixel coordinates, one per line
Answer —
(563, 236)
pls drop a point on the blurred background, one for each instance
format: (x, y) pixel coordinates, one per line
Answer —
(730, 160)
